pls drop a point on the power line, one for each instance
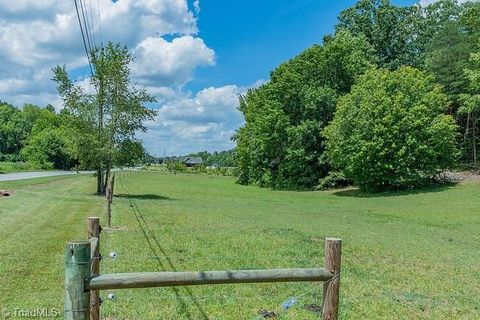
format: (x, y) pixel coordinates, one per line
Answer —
(92, 24)
(99, 22)
(83, 37)
(86, 27)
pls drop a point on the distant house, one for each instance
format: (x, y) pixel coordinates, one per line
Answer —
(192, 161)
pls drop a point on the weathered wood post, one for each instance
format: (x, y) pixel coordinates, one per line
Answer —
(109, 196)
(331, 288)
(112, 188)
(109, 208)
(77, 271)
(93, 233)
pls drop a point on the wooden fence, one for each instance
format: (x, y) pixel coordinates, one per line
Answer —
(83, 280)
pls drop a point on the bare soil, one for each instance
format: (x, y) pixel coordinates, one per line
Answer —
(6, 193)
(461, 176)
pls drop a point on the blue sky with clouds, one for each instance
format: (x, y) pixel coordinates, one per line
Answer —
(195, 56)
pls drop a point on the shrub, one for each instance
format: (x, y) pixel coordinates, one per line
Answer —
(391, 132)
(333, 180)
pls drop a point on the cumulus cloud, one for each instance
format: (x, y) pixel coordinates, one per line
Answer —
(166, 63)
(163, 36)
(36, 35)
(205, 121)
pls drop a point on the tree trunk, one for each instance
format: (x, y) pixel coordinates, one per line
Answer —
(474, 138)
(107, 177)
(100, 185)
(465, 136)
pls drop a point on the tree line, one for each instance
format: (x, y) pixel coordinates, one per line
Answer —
(388, 101)
(94, 129)
(223, 159)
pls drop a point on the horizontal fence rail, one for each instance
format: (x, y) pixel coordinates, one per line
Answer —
(171, 279)
(83, 281)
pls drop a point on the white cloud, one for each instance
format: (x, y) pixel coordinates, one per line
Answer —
(166, 62)
(37, 35)
(196, 6)
(205, 121)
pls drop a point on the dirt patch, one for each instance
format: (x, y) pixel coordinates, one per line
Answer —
(313, 308)
(6, 193)
(461, 176)
(267, 314)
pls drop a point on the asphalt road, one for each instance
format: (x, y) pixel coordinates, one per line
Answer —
(39, 174)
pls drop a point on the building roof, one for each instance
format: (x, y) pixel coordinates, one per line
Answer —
(192, 160)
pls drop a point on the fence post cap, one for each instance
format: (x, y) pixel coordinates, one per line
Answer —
(333, 239)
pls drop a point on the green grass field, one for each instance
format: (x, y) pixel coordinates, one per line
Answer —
(406, 255)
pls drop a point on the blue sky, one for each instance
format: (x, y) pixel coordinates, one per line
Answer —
(195, 56)
(251, 37)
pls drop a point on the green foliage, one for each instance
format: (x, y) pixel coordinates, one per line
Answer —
(175, 166)
(30, 134)
(106, 122)
(391, 30)
(449, 55)
(280, 145)
(216, 158)
(7, 166)
(48, 149)
(334, 179)
(390, 131)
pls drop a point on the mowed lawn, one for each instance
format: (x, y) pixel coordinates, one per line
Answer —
(412, 255)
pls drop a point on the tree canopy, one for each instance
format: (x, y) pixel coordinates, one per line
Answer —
(390, 131)
(280, 144)
(106, 121)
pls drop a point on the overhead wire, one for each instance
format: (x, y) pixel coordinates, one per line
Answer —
(82, 7)
(92, 25)
(99, 23)
(83, 36)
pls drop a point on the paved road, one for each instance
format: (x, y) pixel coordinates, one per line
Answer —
(40, 174)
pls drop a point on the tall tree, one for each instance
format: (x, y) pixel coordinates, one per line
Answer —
(391, 30)
(280, 145)
(106, 121)
(471, 103)
(391, 131)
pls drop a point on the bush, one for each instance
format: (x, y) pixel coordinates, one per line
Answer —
(280, 145)
(333, 180)
(15, 166)
(390, 131)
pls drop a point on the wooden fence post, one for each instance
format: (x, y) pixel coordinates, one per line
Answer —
(112, 188)
(93, 231)
(109, 196)
(331, 288)
(77, 272)
(109, 208)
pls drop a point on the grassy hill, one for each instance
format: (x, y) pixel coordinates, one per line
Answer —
(411, 255)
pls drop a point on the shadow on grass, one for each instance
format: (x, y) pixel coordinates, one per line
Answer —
(142, 196)
(163, 260)
(357, 193)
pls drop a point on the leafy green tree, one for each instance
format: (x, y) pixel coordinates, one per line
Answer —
(392, 31)
(16, 125)
(280, 145)
(48, 149)
(106, 122)
(447, 58)
(450, 51)
(471, 103)
(391, 130)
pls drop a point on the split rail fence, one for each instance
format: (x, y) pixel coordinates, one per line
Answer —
(83, 280)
